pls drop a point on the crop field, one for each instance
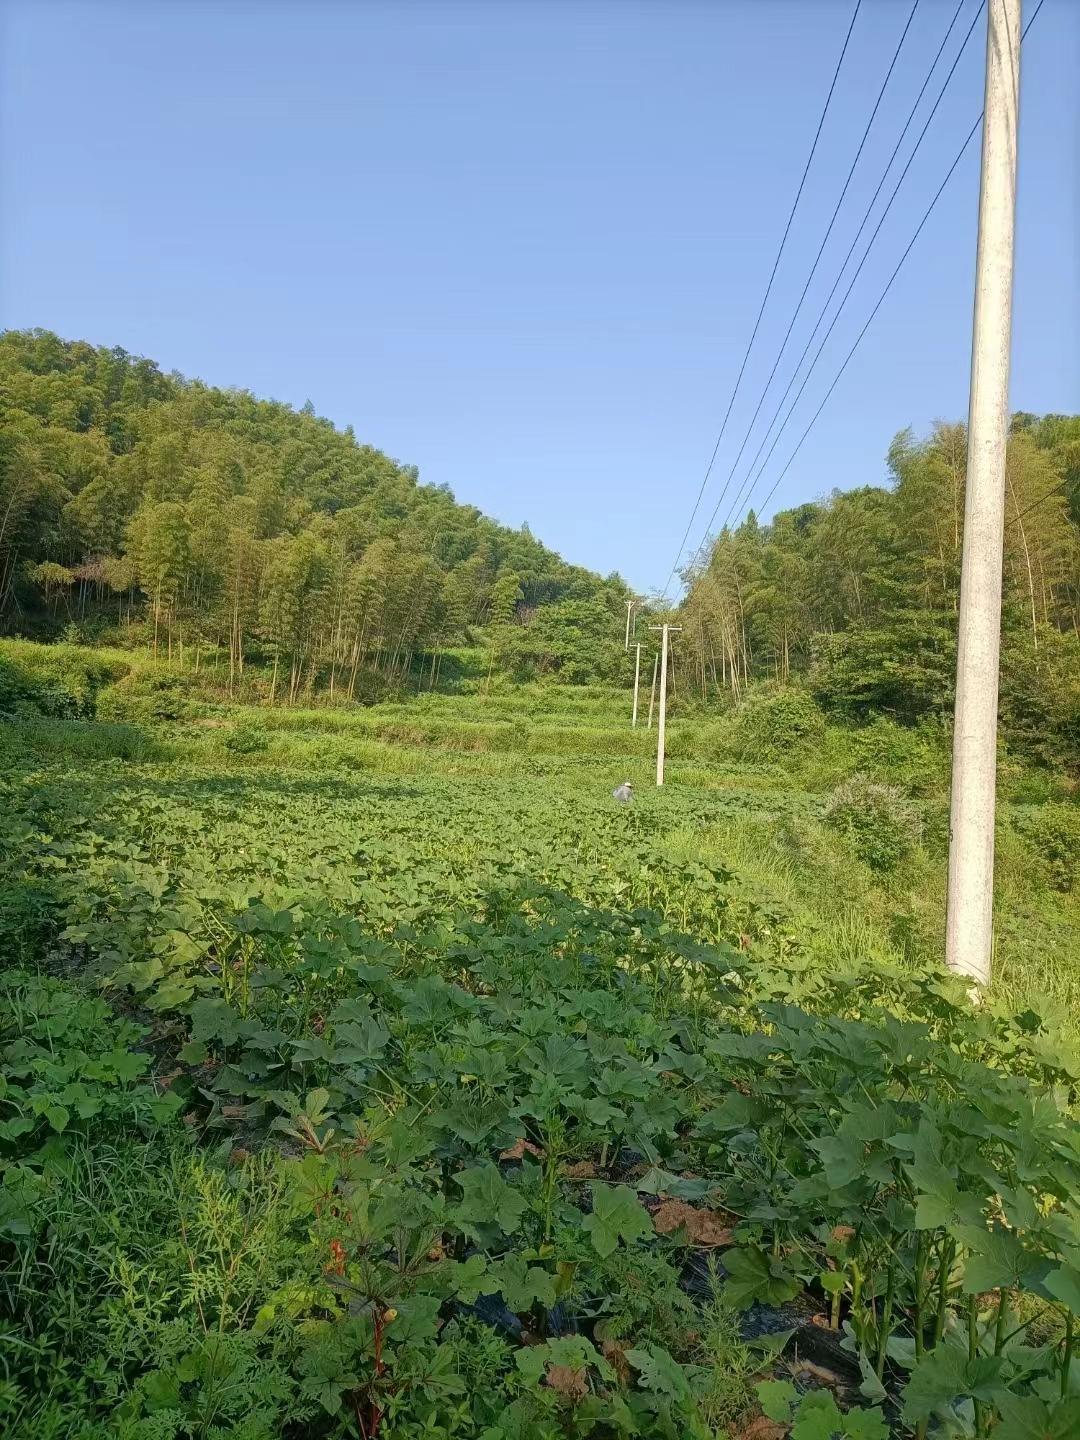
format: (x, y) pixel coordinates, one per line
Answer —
(370, 1072)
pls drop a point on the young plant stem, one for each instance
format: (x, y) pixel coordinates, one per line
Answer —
(856, 1299)
(973, 1351)
(1066, 1357)
(920, 1294)
(551, 1175)
(944, 1266)
(1002, 1318)
(886, 1320)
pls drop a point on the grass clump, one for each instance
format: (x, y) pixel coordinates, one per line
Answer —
(1053, 833)
(878, 821)
(60, 681)
(776, 724)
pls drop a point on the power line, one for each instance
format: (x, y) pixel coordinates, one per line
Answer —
(753, 476)
(888, 286)
(768, 292)
(1063, 488)
(877, 307)
(858, 233)
(817, 258)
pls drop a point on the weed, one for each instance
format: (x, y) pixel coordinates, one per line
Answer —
(881, 824)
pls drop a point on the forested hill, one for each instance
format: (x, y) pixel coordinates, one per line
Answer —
(126, 491)
(858, 594)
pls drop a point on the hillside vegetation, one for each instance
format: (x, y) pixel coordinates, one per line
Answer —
(130, 499)
(857, 595)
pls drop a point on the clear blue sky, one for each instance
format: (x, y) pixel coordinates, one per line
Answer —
(521, 245)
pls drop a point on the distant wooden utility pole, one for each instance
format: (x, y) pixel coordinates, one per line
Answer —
(637, 676)
(969, 925)
(662, 726)
(652, 692)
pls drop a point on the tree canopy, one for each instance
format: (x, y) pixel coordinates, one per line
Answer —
(859, 593)
(243, 521)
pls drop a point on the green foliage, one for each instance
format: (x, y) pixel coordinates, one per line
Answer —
(756, 1277)
(180, 514)
(616, 1215)
(1053, 831)
(776, 724)
(443, 1039)
(66, 1066)
(61, 681)
(916, 759)
(857, 595)
(246, 740)
(880, 823)
(575, 642)
(1040, 697)
(817, 1416)
(905, 671)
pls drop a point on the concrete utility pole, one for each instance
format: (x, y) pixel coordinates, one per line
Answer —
(629, 607)
(970, 911)
(662, 727)
(652, 692)
(637, 677)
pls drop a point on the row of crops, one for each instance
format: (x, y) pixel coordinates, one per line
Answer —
(402, 1105)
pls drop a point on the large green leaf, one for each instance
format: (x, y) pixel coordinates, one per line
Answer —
(521, 1285)
(657, 1370)
(487, 1199)
(617, 1214)
(754, 1275)
(996, 1258)
(1064, 1284)
(1023, 1417)
(946, 1375)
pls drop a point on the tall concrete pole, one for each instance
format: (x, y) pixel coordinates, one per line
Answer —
(662, 724)
(652, 692)
(629, 607)
(637, 677)
(970, 911)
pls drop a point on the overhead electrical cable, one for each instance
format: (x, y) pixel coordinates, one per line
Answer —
(745, 493)
(750, 483)
(870, 317)
(768, 292)
(1063, 489)
(888, 286)
(821, 250)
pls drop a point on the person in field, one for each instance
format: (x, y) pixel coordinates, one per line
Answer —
(623, 792)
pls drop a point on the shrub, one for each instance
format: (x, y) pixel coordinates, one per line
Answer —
(22, 692)
(246, 740)
(1054, 831)
(1030, 787)
(906, 671)
(55, 739)
(572, 643)
(913, 758)
(150, 693)
(1040, 697)
(881, 823)
(16, 688)
(774, 724)
(57, 680)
